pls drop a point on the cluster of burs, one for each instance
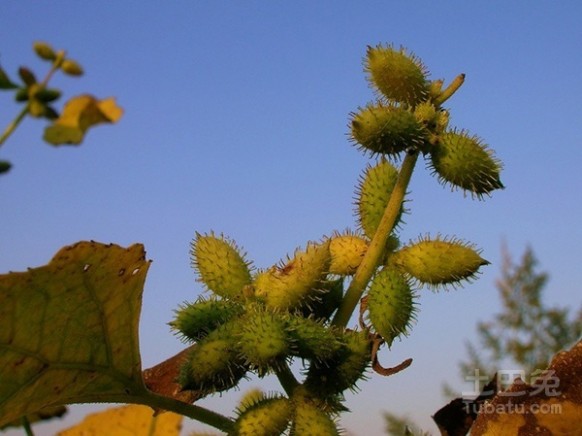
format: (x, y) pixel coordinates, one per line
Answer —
(258, 321)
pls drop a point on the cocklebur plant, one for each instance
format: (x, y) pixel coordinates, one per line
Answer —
(257, 321)
(38, 99)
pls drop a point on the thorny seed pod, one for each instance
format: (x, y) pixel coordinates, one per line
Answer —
(344, 369)
(197, 320)
(386, 130)
(391, 306)
(261, 338)
(266, 416)
(436, 262)
(297, 281)
(213, 365)
(311, 339)
(309, 419)
(464, 162)
(373, 194)
(220, 265)
(347, 252)
(398, 75)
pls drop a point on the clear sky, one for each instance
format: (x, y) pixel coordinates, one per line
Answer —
(235, 121)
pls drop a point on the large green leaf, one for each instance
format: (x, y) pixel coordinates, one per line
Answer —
(69, 330)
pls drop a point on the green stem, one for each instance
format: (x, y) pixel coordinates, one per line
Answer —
(451, 89)
(13, 125)
(192, 411)
(378, 244)
(287, 379)
(26, 426)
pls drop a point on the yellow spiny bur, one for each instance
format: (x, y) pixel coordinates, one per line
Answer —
(373, 194)
(439, 261)
(297, 281)
(398, 75)
(264, 417)
(261, 338)
(386, 129)
(391, 306)
(214, 364)
(347, 252)
(464, 162)
(220, 265)
(310, 420)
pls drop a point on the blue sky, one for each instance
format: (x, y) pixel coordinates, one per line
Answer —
(235, 121)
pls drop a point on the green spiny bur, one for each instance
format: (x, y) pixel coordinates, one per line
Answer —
(214, 364)
(391, 306)
(267, 416)
(332, 377)
(439, 261)
(287, 286)
(464, 162)
(398, 75)
(195, 321)
(220, 265)
(262, 338)
(386, 130)
(373, 194)
(311, 339)
(326, 302)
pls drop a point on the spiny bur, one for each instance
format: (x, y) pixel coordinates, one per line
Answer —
(347, 252)
(463, 161)
(289, 285)
(332, 377)
(195, 321)
(214, 364)
(262, 338)
(386, 129)
(266, 416)
(436, 262)
(311, 339)
(220, 265)
(398, 75)
(391, 305)
(309, 419)
(373, 194)
(329, 297)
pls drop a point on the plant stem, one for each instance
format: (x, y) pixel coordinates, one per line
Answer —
(287, 379)
(451, 89)
(13, 125)
(192, 411)
(26, 426)
(378, 244)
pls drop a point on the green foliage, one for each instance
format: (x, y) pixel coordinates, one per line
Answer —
(68, 330)
(79, 113)
(526, 332)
